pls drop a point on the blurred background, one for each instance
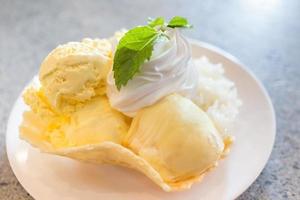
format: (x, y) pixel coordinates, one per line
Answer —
(263, 34)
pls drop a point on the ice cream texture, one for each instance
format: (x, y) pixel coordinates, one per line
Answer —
(76, 112)
(70, 108)
(75, 72)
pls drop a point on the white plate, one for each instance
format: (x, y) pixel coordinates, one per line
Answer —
(49, 177)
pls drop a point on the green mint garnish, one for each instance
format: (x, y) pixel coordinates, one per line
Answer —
(179, 22)
(159, 21)
(136, 46)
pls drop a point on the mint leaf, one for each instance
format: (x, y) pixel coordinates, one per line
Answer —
(178, 21)
(159, 21)
(134, 48)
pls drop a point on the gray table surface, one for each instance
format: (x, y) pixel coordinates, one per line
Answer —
(263, 34)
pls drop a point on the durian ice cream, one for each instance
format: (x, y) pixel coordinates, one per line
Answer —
(75, 72)
(169, 122)
(70, 108)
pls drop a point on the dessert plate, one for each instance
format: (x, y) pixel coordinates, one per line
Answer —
(50, 177)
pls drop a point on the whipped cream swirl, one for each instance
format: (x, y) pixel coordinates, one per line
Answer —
(170, 70)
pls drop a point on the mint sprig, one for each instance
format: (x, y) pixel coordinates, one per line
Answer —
(159, 21)
(136, 47)
(179, 22)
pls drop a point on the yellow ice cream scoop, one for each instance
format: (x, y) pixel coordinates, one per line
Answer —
(69, 107)
(75, 72)
(92, 123)
(176, 138)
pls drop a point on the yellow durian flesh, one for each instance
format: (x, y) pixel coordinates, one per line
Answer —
(176, 138)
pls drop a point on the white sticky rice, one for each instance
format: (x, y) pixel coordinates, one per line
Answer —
(217, 95)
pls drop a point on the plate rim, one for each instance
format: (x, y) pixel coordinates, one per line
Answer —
(209, 47)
